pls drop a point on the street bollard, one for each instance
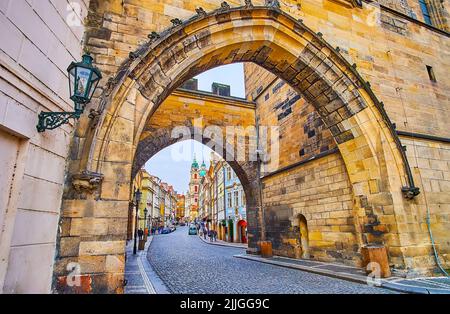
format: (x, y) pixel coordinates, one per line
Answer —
(373, 253)
(265, 247)
(141, 245)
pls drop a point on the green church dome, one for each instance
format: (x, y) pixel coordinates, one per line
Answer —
(194, 164)
(203, 170)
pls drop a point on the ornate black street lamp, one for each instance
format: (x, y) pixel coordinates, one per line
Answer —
(137, 200)
(83, 80)
(145, 217)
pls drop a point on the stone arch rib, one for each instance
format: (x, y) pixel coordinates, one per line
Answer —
(338, 93)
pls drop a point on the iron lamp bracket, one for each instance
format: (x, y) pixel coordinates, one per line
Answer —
(53, 120)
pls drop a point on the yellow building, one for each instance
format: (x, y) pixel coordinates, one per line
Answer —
(143, 183)
(180, 207)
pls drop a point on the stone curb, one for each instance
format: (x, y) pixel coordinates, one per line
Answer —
(325, 272)
(413, 289)
(387, 284)
(158, 285)
(223, 244)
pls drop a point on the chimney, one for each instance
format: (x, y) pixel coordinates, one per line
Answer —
(221, 89)
(191, 84)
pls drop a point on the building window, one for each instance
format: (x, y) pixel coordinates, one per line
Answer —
(277, 87)
(229, 199)
(243, 198)
(228, 173)
(236, 198)
(425, 12)
(195, 176)
(431, 73)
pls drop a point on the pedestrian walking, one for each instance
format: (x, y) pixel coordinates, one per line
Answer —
(210, 232)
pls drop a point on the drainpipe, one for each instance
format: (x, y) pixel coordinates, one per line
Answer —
(224, 199)
(216, 201)
(436, 256)
(259, 151)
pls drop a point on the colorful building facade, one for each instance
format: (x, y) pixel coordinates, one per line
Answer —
(235, 210)
(155, 215)
(159, 201)
(219, 175)
(222, 202)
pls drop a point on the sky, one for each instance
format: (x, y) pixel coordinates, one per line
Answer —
(173, 164)
(231, 74)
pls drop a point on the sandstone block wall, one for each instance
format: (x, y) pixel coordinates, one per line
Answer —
(431, 165)
(39, 40)
(394, 58)
(322, 193)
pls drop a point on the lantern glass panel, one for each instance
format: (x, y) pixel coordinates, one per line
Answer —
(82, 82)
(72, 75)
(95, 80)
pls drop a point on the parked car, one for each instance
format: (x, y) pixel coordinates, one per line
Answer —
(172, 228)
(182, 224)
(192, 230)
(166, 230)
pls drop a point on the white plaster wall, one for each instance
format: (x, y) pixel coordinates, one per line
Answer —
(39, 40)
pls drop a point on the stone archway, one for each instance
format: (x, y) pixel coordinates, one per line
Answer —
(217, 115)
(94, 210)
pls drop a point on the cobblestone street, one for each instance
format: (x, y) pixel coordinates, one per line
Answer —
(188, 265)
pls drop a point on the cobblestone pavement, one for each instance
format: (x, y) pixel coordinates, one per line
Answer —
(188, 265)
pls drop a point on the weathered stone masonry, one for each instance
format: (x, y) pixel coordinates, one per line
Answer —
(381, 58)
(94, 220)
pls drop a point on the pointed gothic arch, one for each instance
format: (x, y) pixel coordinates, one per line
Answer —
(100, 173)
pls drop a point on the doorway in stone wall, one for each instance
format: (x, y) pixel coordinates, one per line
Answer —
(304, 237)
(242, 231)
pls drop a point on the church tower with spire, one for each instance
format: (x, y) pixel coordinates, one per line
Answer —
(203, 170)
(194, 186)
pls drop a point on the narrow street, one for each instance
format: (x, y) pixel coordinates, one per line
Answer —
(188, 265)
